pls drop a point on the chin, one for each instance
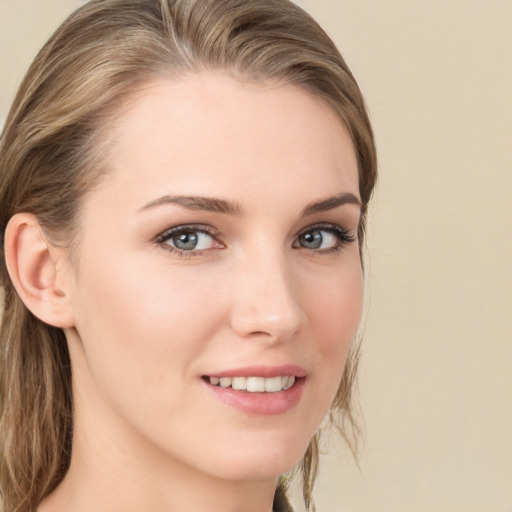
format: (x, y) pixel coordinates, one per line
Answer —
(261, 461)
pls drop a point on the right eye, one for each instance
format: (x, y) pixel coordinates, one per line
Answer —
(189, 239)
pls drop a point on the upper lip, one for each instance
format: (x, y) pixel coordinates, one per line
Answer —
(262, 371)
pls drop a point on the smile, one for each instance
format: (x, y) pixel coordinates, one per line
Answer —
(254, 384)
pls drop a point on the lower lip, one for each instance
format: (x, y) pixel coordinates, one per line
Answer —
(263, 404)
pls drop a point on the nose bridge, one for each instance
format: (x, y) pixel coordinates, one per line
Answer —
(267, 300)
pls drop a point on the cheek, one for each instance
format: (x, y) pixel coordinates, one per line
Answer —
(146, 322)
(335, 314)
(335, 309)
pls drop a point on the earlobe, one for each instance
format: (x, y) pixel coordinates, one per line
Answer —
(38, 271)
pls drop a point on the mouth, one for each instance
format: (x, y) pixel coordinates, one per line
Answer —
(254, 384)
(259, 390)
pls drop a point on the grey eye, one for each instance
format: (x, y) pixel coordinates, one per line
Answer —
(185, 241)
(190, 240)
(317, 239)
(311, 239)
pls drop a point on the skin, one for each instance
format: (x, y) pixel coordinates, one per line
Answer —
(148, 323)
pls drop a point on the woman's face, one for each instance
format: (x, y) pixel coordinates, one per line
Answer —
(218, 285)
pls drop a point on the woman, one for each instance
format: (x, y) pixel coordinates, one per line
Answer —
(183, 193)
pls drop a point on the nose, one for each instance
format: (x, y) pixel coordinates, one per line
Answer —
(267, 301)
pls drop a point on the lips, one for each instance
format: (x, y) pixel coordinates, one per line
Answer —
(259, 390)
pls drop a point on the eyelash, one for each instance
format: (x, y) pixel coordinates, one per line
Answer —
(343, 236)
(182, 230)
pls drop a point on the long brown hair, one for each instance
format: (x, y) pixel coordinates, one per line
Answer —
(53, 151)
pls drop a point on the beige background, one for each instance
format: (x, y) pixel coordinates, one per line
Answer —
(436, 376)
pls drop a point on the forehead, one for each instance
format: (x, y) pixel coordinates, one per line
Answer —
(215, 135)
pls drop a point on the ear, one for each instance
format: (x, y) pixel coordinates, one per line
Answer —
(39, 271)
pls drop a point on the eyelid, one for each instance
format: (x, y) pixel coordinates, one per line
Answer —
(327, 226)
(203, 228)
(183, 228)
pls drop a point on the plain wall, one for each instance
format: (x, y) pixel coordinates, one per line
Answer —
(436, 372)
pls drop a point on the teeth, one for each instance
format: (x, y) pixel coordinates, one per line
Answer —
(275, 384)
(291, 382)
(255, 384)
(225, 382)
(239, 383)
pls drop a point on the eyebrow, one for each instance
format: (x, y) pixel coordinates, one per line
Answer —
(215, 205)
(330, 203)
(207, 204)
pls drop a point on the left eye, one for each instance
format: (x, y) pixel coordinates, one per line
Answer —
(323, 238)
(188, 239)
(317, 239)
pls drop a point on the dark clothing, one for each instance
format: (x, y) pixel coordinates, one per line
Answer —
(281, 503)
